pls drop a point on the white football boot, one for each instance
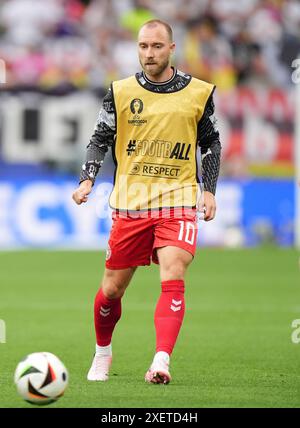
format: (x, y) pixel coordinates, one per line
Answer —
(99, 370)
(159, 369)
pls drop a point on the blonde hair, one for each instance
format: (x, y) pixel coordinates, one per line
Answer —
(155, 22)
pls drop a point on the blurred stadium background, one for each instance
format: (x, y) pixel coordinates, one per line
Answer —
(57, 59)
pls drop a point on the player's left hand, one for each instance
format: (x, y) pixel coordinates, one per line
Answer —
(207, 205)
(82, 192)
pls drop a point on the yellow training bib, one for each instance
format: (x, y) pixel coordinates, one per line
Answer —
(155, 147)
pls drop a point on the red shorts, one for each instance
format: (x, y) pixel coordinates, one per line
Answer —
(133, 241)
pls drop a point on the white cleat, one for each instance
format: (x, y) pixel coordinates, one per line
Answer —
(100, 368)
(159, 370)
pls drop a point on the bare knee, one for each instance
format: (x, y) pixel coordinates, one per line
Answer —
(112, 287)
(173, 263)
(173, 271)
(115, 282)
(112, 291)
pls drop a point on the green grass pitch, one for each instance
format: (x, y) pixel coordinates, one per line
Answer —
(234, 349)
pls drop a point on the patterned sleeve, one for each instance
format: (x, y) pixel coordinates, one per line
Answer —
(102, 138)
(209, 142)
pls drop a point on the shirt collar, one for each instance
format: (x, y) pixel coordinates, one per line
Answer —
(160, 83)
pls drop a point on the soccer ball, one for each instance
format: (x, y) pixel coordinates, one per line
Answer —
(41, 378)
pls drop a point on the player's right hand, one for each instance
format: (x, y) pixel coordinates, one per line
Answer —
(81, 193)
(207, 205)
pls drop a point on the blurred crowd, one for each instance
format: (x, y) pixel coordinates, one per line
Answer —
(79, 44)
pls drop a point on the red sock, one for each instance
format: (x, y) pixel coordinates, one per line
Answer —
(169, 315)
(107, 313)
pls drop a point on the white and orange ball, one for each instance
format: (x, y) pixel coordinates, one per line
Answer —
(41, 378)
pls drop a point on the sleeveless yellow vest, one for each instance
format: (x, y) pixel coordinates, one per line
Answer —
(155, 147)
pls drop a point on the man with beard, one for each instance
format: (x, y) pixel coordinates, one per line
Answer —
(154, 122)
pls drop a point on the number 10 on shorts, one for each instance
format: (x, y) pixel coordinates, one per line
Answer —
(187, 232)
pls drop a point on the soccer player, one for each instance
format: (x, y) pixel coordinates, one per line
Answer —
(155, 122)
